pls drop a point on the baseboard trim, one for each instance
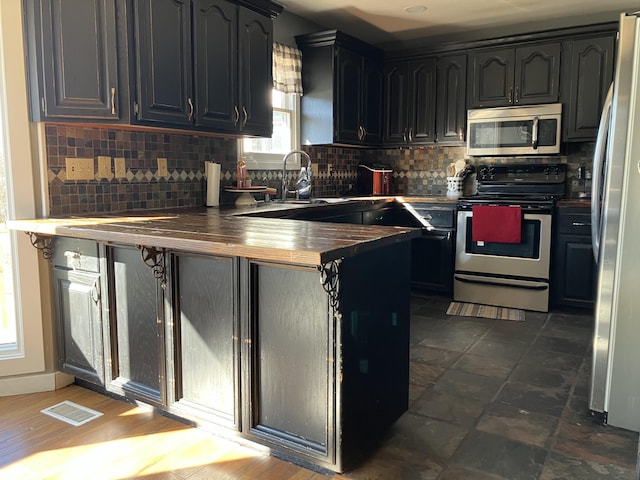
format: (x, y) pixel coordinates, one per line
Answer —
(39, 382)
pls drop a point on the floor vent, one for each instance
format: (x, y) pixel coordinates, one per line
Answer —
(71, 413)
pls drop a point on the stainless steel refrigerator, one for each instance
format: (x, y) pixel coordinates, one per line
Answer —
(615, 379)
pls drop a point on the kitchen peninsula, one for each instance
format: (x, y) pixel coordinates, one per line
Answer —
(292, 334)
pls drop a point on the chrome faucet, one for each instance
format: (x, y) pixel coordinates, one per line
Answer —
(304, 182)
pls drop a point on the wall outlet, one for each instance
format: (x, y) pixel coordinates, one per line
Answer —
(120, 167)
(104, 167)
(314, 170)
(162, 167)
(80, 168)
(329, 169)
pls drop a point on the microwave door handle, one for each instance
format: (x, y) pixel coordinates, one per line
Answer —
(534, 134)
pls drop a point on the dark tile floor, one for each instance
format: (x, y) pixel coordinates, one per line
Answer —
(499, 399)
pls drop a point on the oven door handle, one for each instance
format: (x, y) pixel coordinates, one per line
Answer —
(523, 284)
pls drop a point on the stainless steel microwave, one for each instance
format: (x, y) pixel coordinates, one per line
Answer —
(523, 130)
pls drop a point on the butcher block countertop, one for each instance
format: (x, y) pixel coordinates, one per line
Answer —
(223, 232)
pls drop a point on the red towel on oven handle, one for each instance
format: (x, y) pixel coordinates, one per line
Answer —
(496, 223)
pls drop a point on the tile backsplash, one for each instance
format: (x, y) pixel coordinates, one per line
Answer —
(417, 171)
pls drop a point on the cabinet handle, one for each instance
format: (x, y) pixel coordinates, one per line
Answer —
(411, 135)
(245, 116)
(510, 96)
(404, 135)
(581, 224)
(95, 292)
(236, 116)
(190, 102)
(517, 99)
(461, 133)
(113, 100)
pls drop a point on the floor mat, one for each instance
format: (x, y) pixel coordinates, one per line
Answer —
(485, 311)
(71, 413)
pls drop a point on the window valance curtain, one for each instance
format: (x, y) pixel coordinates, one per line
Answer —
(287, 69)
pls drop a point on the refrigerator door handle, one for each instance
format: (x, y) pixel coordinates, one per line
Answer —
(599, 158)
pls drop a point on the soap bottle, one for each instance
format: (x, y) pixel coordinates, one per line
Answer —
(241, 172)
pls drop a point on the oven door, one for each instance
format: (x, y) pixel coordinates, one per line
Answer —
(529, 259)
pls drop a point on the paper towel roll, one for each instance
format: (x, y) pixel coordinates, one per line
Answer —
(212, 171)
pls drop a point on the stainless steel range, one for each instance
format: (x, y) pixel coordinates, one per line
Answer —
(503, 245)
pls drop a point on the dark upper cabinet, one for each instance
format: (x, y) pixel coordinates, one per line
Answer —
(72, 56)
(451, 105)
(410, 101)
(164, 71)
(424, 100)
(205, 63)
(587, 72)
(342, 82)
(514, 75)
(255, 37)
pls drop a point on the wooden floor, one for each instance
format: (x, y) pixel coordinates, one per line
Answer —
(128, 441)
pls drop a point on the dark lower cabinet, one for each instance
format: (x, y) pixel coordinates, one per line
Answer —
(137, 327)
(573, 280)
(292, 378)
(311, 361)
(432, 262)
(78, 302)
(328, 371)
(207, 332)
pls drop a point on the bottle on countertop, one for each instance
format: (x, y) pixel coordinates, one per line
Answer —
(241, 173)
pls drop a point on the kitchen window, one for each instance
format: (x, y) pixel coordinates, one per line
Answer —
(267, 153)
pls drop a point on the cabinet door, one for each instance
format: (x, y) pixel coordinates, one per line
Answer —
(574, 280)
(451, 106)
(396, 91)
(422, 101)
(348, 96)
(137, 325)
(537, 74)
(491, 78)
(78, 303)
(587, 66)
(78, 55)
(164, 66)
(291, 384)
(432, 262)
(206, 316)
(215, 51)
(255, 72)
(371, 102)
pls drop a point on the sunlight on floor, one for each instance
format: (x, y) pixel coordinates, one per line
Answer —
(117, 459)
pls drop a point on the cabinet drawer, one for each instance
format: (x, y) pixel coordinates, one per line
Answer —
(436, 215)
(575, 223)
(76, 254)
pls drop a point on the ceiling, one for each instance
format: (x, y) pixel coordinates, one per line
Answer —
(385, 22)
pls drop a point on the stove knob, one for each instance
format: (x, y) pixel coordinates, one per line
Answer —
(492, 172)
